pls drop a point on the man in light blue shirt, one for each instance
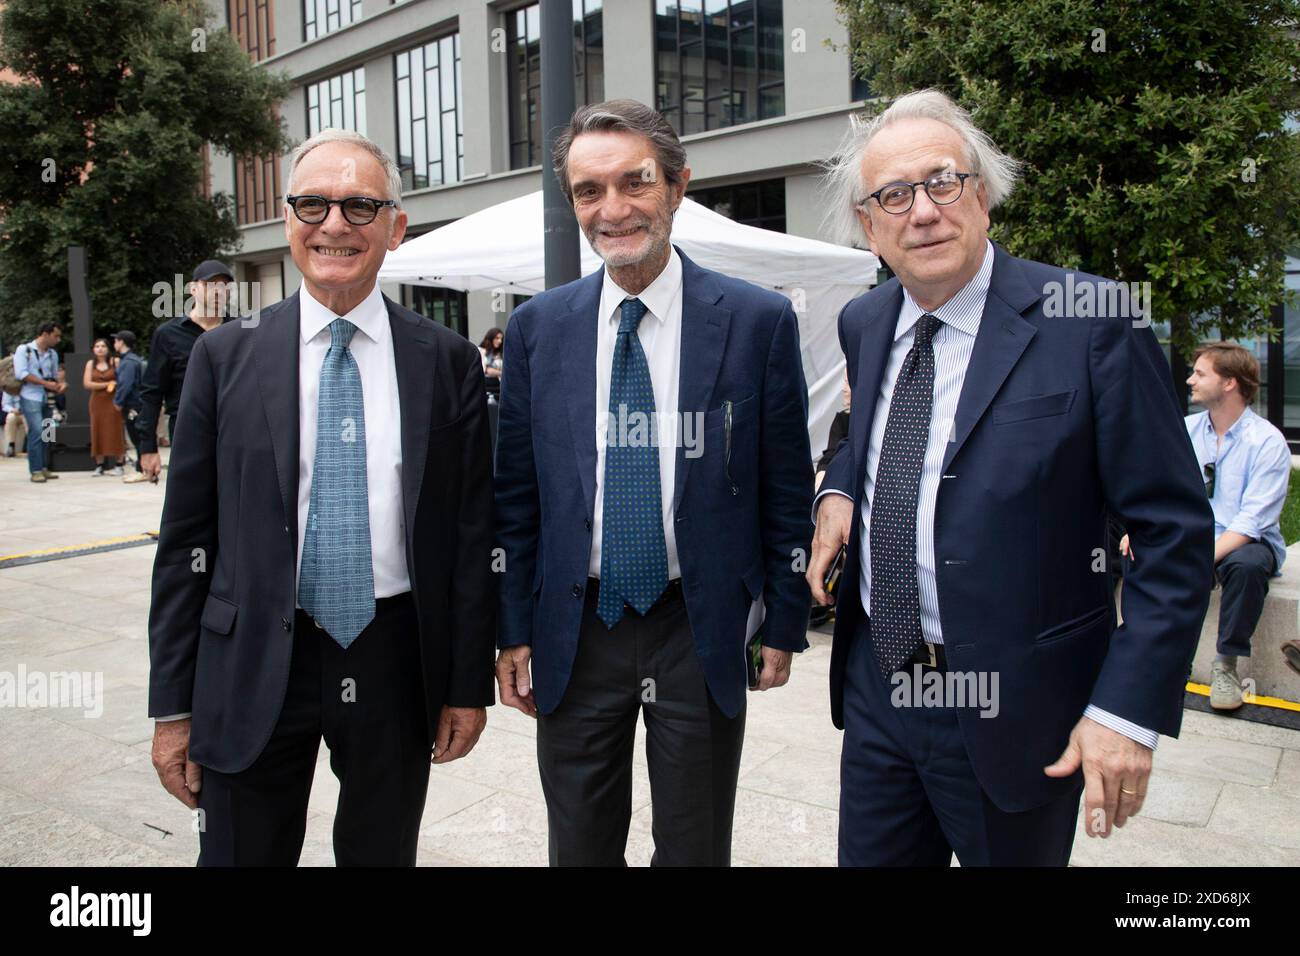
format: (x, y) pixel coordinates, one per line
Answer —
(36, 365)
(1247, 465)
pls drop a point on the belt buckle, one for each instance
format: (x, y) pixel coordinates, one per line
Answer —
(934, 660)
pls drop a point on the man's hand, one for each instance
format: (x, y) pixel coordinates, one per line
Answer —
(834, 517)
(1115, 773)
(513, 679)
(458, 731)
(180, 776)
(776, 668)
(151, 465)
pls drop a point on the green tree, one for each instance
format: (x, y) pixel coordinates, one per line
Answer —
(1155, 136)
(103, 135)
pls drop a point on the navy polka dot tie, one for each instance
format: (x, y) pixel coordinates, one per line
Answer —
(633, 556)
(895, 601)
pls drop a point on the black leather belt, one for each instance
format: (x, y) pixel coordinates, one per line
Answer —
(672, 593)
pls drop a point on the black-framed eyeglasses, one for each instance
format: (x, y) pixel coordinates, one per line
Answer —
(1209, 479)
(943, 189)
(358, 210)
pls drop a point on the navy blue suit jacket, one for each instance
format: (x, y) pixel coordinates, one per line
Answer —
(739, 343)
(1059, 420)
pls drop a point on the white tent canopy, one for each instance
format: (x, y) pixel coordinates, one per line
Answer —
(500, 248)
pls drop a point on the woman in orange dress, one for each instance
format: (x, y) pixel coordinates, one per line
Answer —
(106, 441)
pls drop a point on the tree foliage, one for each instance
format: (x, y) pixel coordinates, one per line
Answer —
(1158, 137)
(103, 135)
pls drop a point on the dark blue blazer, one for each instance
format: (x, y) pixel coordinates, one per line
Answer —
(1059, 419)
(739, 343)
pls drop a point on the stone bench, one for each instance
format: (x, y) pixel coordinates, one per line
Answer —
(1279, 622)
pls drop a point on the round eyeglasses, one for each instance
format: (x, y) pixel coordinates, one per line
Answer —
(896, 198)
(358, 210)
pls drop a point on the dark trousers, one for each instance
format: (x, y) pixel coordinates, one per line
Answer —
(908, 794)
(132, 433)
(584, 748)
(368, 704)
(1243, 576)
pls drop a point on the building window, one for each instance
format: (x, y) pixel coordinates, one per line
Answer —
(524, 47)
(430, 124)
(257, 189)
(718, 63)
(447, 307)
(253, 24)
(320, 17)
(339, 101)
(760, 204)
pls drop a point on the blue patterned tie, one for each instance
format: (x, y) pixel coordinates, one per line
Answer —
(633, 556)
(336, 585)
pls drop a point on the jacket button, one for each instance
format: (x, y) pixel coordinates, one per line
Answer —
(577, 590)
(588, 524)
(284, 623)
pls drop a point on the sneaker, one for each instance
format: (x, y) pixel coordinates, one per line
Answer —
(99, 470)
(132, 478)
(1225, 687)
(9, 451)
(117, 471)
(49, 474)
(37, 477)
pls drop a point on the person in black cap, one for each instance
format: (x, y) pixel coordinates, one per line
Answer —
(169, 354)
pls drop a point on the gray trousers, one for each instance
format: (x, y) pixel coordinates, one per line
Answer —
(644, 665)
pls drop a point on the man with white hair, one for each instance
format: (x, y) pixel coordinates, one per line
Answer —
(977, 669)
(324, 565)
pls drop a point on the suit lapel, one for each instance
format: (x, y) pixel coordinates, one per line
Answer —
(415, 354)
(275, 353)
(704, 337)
(579, 362)
(1002, 338)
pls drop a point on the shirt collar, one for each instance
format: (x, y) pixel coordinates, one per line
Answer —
(369, 316)
(962, 311)
(657, 297)
(1242, 424)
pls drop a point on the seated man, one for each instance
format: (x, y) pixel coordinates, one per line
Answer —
(1247, 465)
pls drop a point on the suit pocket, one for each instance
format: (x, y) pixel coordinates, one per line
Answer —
(1074, 626)
(1040, 406)
(218, 615)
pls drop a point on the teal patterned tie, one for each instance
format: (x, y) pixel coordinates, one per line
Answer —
(336, 584)
(633, 556)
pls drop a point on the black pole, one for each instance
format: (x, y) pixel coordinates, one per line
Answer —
(561, 228)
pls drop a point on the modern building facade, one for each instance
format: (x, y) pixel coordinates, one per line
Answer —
(760, 90)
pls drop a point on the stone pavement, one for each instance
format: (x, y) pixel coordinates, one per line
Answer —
(78, 790)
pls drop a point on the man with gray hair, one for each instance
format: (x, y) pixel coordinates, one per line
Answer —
(977, 669)
(324, 565)
(634, 554)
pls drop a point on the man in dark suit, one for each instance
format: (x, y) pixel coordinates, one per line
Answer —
(324, 563)
(652, 462)
(977, 667)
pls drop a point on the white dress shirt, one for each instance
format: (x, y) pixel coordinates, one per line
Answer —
(953, 344)
(660, 333)
(372, 348)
